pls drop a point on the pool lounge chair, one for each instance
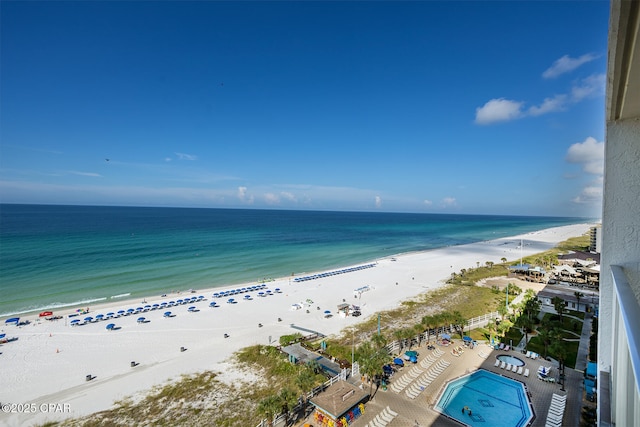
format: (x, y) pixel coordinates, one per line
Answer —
(502, 365)
(514, 368)
(520, 370)
(497, 363)
(390, 411)
(506, 348)
(508, 368)
(501, 347)
(526, 372)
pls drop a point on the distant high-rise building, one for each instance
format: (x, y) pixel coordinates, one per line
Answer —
(595, 241)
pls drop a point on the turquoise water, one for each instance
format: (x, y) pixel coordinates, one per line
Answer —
(57, 256)
(492, 399)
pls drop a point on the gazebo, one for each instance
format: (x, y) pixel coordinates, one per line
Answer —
(339, 405)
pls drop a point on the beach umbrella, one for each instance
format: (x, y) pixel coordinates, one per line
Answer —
(74, 322)
(467, 338)
(110, 314)
(88, 319)
(200, 296)
(130, 310)
(2, 336)
(261, 294)
(155, 306)
(141, 319)
(192, 308)
(231, 301)
(216, 295)
(99, 316)
(179, 301)
(120, 312)
(277, 290)
(167, 314)
(398, 361)
(111, 326)
(446, 337)
(213, 304)
(15, 320)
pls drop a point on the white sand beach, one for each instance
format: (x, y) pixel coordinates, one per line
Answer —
(44, 372)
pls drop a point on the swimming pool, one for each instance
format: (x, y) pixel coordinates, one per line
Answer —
(510, 359)
(492, 399)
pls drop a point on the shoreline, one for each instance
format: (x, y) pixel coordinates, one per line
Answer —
(50, 360)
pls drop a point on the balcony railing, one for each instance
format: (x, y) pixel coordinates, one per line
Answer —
(630, 313)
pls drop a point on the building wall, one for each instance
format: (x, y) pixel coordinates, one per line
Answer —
(620, 246)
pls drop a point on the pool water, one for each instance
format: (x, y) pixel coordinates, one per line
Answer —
(510, 359)
(493, 400)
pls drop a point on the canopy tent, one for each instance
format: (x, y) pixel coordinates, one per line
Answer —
(446, 337)
(15, 320)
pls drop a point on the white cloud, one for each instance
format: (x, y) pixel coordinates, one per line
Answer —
(498, 110)
(378, 202)
(590, 154)
(592, 85)
(91, 174)
(557, 103)
(566, 64)
(589, 195)
(183, 156)
(448, 202)
(288, 196)
(243, 196)
(427, 202)
(271, 199)
(167, 159)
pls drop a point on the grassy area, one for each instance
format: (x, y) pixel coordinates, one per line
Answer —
(536, 344)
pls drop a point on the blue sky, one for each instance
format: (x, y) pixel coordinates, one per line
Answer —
(441, 107)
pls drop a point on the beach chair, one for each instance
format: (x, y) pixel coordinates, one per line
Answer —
(526, 372)
(520, 370)
(508, 368)
(501, 347)
(528, 354)
(502, 365)
(390, 411)
(507, 348)
(497, 363)
(514, 368)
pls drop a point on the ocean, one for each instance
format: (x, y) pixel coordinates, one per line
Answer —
(63, 256)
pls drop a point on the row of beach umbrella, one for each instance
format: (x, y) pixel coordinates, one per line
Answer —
(333, 273)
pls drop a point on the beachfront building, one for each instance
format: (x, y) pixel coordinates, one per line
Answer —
(595, 239)
(339, 405)
(618, 334)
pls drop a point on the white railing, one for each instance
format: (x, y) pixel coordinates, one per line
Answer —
(629, 316)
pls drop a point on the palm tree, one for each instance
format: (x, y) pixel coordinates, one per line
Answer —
(489, 264)
(525, 324)
(504, 260)
(379, 340)
(429, 322)
(305, 381)
(399, 334)
(578, 295)
(558, 304)
(418, 330)
(288, 399)
(270, 407)
(459, 322)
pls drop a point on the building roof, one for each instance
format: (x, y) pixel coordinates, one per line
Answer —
(339, 398)
(581, 255)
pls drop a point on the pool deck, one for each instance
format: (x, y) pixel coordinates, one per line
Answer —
(420, 412)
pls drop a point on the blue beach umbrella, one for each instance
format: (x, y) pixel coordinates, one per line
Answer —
(167, 314)
(231, 301)
(88, 319)
(110, 314)
(213, 304)
(192, 308)
(74, 322)
(111, 326)
(141, 320)
(121, 312)
(99, 316)
(467, 338)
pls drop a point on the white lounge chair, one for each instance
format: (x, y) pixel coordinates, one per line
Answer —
(526, 372)
(528, 354)
(389, 410)
(508, 368)
(502, 365)
(520, 370)
(514, 368)
(497, 363)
